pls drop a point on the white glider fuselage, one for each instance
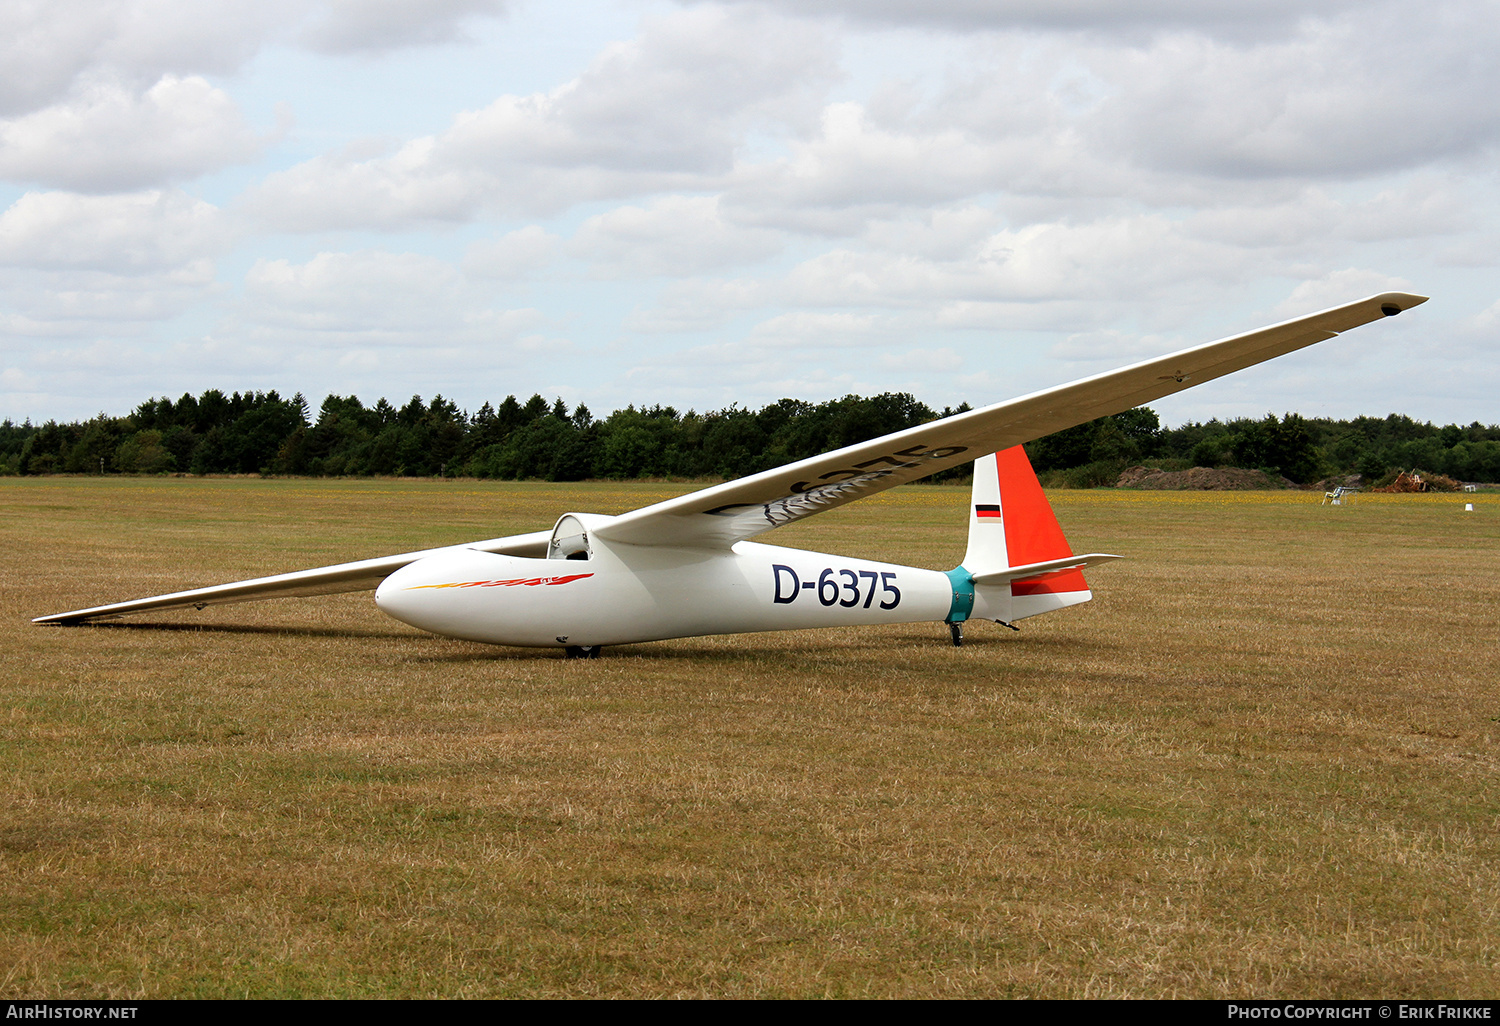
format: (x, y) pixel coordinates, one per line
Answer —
(629, 593)
(590, 592)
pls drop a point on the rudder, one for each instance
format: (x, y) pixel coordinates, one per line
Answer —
(1011, 524)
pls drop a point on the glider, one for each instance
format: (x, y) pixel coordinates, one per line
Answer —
(687, 567)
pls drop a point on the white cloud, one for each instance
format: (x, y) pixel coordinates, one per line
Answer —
(106, 138)
(675, 235)
(655, 115)
(1112, 346)
(71, 263)
(13, 379)
(1174, 119)
(943, 233)
(1108, 259)
(345, 26)
(1337, 287)
(95, 357)
(134, 233)
(666, 111)
(369, 290)
(1485, 324)
(1105, 259)
(1011, 316)
(697, 304)
(407, 190)
(854, 161)
(821, 196)
(518, 254)
(1369, 91)
(42, 47)
(956, 272)
(69, 302)
(1236, 17)
(1314, 220)
(46, 49)
(808, 330)
(718, 375)
(377, 298)
(923, 361)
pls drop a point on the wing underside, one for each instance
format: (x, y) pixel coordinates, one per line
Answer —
(362, 575)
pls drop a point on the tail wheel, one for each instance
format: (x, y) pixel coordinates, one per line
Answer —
(582, 651)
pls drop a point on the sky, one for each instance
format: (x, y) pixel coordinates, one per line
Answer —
(700, 204)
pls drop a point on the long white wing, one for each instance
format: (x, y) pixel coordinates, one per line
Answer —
(744, 508)
(363, 575)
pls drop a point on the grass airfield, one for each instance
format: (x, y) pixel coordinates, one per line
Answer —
(1262, 763)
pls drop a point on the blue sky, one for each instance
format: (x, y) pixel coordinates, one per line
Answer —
(700, 204)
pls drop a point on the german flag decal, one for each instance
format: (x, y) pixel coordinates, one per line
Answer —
(987, 511)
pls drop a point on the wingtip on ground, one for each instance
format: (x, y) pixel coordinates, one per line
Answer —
(60, 620)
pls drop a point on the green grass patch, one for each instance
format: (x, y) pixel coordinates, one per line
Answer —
(1260, 763)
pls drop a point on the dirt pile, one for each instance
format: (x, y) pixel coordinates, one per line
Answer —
(1204, 479)
(1421, 481)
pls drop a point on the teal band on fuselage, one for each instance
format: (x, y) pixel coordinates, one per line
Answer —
(963, 595)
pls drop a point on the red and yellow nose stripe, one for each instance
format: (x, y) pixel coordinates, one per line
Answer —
(528, 582)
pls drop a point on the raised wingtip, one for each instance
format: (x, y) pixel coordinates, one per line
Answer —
(1392, 303)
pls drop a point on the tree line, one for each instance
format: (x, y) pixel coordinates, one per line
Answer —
(262, 433)
(1299, 448)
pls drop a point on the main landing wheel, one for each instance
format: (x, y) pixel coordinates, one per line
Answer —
(956, 632)
(582, 651)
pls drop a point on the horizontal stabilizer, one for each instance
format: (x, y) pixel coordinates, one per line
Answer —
(1021, 573)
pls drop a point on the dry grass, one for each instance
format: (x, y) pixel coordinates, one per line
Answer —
(1262, 763)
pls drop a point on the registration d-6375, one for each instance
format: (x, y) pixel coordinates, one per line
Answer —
(843, 587)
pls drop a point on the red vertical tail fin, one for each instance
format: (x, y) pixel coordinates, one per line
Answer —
(1032, 534)
(1011, 524)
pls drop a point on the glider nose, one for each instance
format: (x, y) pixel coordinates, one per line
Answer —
(395, 599)
(416, 593)
(475, 595)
